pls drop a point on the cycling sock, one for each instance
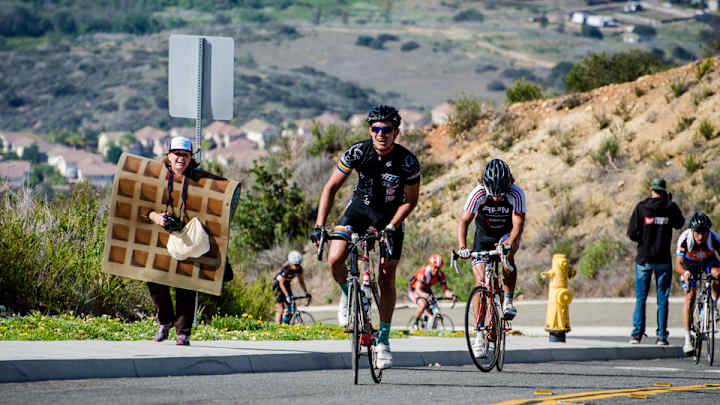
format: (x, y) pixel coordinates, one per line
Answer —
(508, 297)
(384, 336)
(344, 287)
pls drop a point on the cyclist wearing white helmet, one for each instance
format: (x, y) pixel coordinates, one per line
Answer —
(281, 284)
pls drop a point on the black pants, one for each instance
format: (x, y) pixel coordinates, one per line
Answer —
(184, 312)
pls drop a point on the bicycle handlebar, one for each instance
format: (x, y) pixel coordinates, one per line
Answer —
(500, 251)
(372, 236)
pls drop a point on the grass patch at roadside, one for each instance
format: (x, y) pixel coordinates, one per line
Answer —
(68, 326)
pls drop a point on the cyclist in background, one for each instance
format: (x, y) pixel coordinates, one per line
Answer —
(281, 284)
(386, 192)
(697, 251)
(422, 281)
(498, 206)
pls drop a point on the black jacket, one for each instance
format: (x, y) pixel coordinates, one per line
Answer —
(651, 227)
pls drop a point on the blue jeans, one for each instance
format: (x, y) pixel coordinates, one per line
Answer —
(643, 276)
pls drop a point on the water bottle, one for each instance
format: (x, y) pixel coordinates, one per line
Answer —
(366, 290)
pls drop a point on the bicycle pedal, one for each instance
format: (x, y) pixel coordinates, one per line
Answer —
(365, 340)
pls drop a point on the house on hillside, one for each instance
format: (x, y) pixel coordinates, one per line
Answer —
(153, 140)
(222, 133)
(8, 138)
(260, 132)
(441, 113)
(578, 17)
(306, 125)
(632, 7)
(639, 33)
(66, 160)
(600, 21)
(241, 152)
(97, 172)
(14, 172)
(412, 120)
(20, 143)
(107, 139)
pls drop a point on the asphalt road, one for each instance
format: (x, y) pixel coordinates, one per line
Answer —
(656, 381)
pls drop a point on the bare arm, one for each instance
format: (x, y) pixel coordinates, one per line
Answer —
(518, 221)
(462, 228)
(419, 290)
(281, 282)
(679, 268)
(411, 198)
(337, 178)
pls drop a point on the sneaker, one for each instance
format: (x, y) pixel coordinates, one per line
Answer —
(343, 311)
(635, 340)
(479, 346)
(383, 357)
(183, 340)
(661, 342)
(688, 348)
(162, 333)
(509, 311)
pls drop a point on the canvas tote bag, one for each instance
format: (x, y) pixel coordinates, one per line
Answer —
(192, 241)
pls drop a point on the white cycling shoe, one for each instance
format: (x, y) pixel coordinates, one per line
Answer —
(383, 357)
(343, 311)
(479, 346)
(688, 347)
(509, 311)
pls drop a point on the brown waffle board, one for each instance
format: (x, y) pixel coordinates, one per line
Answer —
(136, 249)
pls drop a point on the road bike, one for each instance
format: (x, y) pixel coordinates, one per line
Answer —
(299, 317)
(483, 311)
(363, 294)
(704, 319)
(436, 321)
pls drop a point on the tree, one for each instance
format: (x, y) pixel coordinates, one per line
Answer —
(113, 154)
(523, 90)
(599, 70)
(33, 155)
(272, 210)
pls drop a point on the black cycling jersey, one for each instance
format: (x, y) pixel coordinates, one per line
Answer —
(382, 179)
(288, 272)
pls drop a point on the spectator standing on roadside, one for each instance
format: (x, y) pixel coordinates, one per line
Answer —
(651, 227)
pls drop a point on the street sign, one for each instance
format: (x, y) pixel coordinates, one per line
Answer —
(216, 71)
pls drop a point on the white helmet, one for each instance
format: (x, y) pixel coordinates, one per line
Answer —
(294, 257)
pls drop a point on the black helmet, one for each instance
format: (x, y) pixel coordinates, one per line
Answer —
(383, 112)
(497, 177)
(700, 222)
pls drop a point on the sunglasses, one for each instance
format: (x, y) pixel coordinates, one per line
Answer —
(382, 129)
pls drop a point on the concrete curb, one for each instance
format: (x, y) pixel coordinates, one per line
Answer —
(60, 369)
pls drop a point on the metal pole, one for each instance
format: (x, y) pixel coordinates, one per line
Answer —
(198, 127)
(199, 98)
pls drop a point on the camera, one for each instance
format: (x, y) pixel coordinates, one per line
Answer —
(173, 223)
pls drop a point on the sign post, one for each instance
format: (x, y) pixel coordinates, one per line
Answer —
(200, 84)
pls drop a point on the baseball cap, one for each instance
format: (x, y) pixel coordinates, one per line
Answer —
(658, 184)
(180, 143)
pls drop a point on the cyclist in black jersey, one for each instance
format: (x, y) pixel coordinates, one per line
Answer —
(386, 192)
(281, 285)
(498, 206)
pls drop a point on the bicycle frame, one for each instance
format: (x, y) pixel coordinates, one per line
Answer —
(704, 324)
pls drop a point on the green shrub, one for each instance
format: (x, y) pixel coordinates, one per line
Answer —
(602, 119)
(566, 247)
(599, 70)
(692, 163)
(639, 92)
(591, 32)
(469, 15)
(369, 42)
(624, 111)
(409, 46)
(703, 68)
(469, 111)
(608, 152)
(599, 254)
(706, 130)
(523, 90)
(679, 86)
(239, 297)
(52, 254)
(333, 138)
(684, 123)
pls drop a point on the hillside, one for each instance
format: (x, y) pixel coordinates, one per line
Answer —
(578, 201)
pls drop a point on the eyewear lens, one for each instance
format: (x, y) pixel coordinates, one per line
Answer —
(381, 130)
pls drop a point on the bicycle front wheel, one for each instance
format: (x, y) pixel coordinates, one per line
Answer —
(710, 328)
(354, 294)
(501, 345)
(375, 372)
(302, 318)
(481, 321)
(443, 323)
(699, 332)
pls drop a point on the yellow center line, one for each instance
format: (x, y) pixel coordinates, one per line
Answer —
(584, 396)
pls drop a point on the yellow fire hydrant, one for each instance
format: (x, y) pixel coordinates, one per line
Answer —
(557, 321)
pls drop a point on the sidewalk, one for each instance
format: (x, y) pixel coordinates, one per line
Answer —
(600, 331)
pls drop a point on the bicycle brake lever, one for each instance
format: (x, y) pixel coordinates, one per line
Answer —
(453, 262)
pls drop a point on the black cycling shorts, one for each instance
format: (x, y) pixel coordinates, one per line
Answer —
(279, 295)
(359, 217)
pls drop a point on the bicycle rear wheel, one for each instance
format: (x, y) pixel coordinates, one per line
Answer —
(354, 295)
(443, 323)
(481, 323)
(710, 327)
(698, 332)
(302, 318)
(501, 345)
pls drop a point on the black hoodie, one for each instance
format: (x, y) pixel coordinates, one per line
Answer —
(651, 227)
